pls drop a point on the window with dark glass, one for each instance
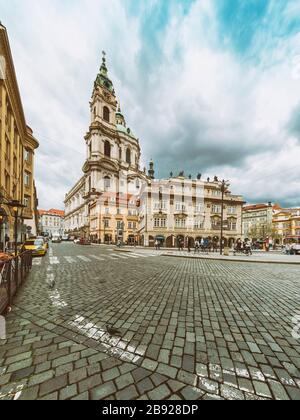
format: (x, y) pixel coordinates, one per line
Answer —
(107, 149)
(106, 114)
(128, 156)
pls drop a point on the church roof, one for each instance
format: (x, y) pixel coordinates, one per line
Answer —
(126, 131)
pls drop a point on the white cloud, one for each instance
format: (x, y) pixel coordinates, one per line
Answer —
(198, 107)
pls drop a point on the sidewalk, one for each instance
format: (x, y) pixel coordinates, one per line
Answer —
(262, 258)
(271, 257)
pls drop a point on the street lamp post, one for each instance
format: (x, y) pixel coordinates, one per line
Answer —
(16, 205)
(2, 227)
(224, 189)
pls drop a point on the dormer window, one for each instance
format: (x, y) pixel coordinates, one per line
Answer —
(106, 114)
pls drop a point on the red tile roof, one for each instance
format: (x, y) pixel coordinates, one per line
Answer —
(52, 212)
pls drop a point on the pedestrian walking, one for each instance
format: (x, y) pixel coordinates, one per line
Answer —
(181, 245)
(247, 248)
(202, 244)
(189, 244)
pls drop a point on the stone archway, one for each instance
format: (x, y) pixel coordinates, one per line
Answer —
(151, 241)
(108, 239)
(191, 241)
(170, 241)
(179, 239)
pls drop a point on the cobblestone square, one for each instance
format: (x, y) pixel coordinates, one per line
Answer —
(139, 325)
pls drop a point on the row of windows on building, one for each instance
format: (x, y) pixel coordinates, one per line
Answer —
(11, 181)
(27, 153)
(108, 152)
(198, 208)
(52, 224)
(254, 222)
(196, 224)
(108, 211)
(120, 225)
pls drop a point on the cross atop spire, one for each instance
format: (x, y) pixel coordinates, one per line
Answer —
(103, 68)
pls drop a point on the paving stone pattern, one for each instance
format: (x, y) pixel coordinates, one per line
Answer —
(144, 326)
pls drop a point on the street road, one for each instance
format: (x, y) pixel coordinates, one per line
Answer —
(93, 323)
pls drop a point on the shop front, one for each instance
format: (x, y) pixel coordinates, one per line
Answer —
(161, 240)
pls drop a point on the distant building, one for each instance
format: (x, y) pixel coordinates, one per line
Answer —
(76, 211)
(181, 209)
(52, 222)
(286, 225)
(257, 221)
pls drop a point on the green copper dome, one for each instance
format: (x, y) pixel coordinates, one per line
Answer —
(125, 130)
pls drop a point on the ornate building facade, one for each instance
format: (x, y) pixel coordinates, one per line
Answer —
(100, 205)
(17, 149)
(181, 209)
(286, 225)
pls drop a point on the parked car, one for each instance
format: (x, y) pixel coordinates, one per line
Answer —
(38, 247)
(83, 241)
(65, 238)
(76, 240)
(56, 239)
(43, 239)
(295, 249)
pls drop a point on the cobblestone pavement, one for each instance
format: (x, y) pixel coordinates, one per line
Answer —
(143, 326)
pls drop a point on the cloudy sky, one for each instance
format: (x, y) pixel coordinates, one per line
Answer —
(209, 86)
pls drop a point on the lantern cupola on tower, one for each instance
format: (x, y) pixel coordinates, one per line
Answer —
(102, 78)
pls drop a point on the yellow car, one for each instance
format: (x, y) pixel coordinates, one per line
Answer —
(38, 247)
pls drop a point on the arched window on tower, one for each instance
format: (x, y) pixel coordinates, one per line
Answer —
(106, 114)
(107, 149)
(128, 156)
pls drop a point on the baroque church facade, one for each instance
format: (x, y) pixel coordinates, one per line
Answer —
(103, 203)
